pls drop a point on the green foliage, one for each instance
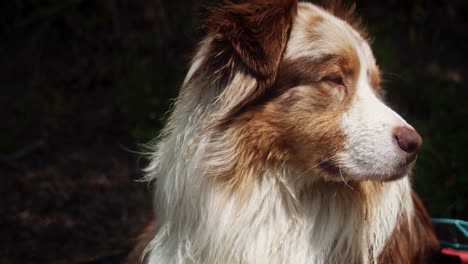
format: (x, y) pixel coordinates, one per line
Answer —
(424, 90)
(144, 89)
(142, 98)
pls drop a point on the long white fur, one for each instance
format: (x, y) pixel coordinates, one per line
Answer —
(284, 219)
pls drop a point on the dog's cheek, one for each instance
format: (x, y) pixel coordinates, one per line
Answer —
(309, 118)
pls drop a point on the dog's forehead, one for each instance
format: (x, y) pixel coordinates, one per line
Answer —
(317, 33)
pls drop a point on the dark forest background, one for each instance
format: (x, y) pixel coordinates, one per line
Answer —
(84, 82)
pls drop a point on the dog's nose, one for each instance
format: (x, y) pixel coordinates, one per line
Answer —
(408, 140)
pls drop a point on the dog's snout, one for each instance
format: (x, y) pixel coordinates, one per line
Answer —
(408, 140)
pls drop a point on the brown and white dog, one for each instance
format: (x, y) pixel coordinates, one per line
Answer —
(280, 150)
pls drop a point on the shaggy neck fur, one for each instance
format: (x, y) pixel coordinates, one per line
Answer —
(283, 219)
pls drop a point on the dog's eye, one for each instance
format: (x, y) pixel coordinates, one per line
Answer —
(334, 79)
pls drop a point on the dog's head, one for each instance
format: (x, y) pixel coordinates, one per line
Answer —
(296, 84)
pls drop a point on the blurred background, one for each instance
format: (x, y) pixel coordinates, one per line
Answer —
(83, 83)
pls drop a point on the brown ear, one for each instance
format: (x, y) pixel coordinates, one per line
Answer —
(257, 31)
(253, 34)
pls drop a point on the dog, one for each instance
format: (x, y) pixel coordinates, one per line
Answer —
(280, 149)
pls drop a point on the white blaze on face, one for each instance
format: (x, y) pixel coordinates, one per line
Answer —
(370, 150)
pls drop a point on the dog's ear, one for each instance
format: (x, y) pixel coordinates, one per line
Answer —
(257, 32)
(253, 34)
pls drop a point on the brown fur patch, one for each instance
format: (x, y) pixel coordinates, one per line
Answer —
(312, 113)
(250, 38)
(297, 124)
(259, 146)
(411, 244)
(318, 75)
(374, 76)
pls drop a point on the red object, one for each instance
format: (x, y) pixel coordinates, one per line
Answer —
(463, 255)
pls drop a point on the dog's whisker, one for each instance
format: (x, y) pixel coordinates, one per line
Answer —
(313, 167)
(345, 182)
(393, 74)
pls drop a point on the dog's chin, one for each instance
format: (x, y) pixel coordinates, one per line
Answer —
(393, 177)
(332, 172)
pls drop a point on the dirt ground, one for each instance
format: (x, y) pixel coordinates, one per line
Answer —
(69, 189)
(74, 197)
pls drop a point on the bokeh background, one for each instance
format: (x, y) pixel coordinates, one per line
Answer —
(84, 82)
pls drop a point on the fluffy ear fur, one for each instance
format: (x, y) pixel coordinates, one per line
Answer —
(257, 32)
(250, 38)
